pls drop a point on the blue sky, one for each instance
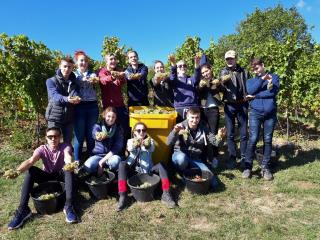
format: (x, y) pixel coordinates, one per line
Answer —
(153, 28)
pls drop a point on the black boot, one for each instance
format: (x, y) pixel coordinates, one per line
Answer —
(167, 199)
(123, 199)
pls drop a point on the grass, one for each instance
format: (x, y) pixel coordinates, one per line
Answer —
(286, 208)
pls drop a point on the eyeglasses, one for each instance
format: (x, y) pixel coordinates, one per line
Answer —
(182, 66)
(141, 130)
(53, 136)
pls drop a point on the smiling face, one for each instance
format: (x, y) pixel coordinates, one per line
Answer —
(110, 118)
(206, 72)
(158, 67)
(133, 58)
(111, 62)
(231, 62)
(181, 68)
(66, 68)
(258, 69)
(193, 120)
(53, 138)
(82, 63)
(140, 131)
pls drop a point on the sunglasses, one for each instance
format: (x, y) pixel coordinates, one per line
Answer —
(182, 66)
(141, 130)
(53, 136)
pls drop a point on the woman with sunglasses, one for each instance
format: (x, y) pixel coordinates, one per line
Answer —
(184, 86)
(54, 156)
(108, 137)
(87, 112)
(262, 92)
(140, 149)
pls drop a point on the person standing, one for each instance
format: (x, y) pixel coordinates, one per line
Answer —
(209, 101)
(62, 97)
(136, 75)
(184, 86)
(262, 92)
(112, 79)
(87, 111)
(163, 94)
(233, 82)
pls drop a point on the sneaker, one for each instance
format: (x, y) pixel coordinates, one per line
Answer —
(19, 218)
(122, 204)
(266, 174)
(246, 173)
(71, 216)
(215, 163)
(167, 200)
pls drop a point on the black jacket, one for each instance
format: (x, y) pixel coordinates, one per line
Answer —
(234, 90)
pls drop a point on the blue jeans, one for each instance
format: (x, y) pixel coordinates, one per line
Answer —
(255, 122)
(182, 161)
(91, 165)
(239, 112)
(86, 115)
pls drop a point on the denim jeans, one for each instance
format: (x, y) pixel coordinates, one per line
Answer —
(239, 112)
(123, 119)
(91, 165)
(86, 115)
(255, 122)
(182, 161)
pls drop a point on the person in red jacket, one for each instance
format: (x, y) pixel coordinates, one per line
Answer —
(111, 81)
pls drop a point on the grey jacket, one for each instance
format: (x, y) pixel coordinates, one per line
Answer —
(193, 147)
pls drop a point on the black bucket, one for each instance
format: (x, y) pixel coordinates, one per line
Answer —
(52, 205)
(143, 194)
(198, 181)
(100, 190)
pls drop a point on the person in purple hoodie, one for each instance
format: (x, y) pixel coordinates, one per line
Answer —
(184, 86)
(262, 91)
(54, 156)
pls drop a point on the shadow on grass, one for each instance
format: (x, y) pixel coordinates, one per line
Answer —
(294, 156)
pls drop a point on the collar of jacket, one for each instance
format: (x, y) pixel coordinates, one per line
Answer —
(236, 68)
(130, 68)
(72, 77)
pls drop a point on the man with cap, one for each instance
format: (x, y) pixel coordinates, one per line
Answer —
(233, 81)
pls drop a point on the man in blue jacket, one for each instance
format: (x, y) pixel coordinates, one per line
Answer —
(62, 97)
(262, 90)
(136, 75)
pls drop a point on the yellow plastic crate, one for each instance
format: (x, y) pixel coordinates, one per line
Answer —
(159, 127)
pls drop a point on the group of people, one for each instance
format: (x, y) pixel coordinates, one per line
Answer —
(73, 110)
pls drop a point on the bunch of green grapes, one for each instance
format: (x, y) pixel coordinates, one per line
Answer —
(135, 76)
(101, 135)
(136, 143)
(48, 196)
(203, 83)
(145, 185)
(147, 142)
(184, 133)
(71, 166)
(225, 78)
(11, 174)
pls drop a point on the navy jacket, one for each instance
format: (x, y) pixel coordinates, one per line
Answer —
(59, 109)
(113, 144)
(264, 102)
(138, 89)
(184, 88)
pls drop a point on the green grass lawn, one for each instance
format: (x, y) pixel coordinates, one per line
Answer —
(286, 208)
